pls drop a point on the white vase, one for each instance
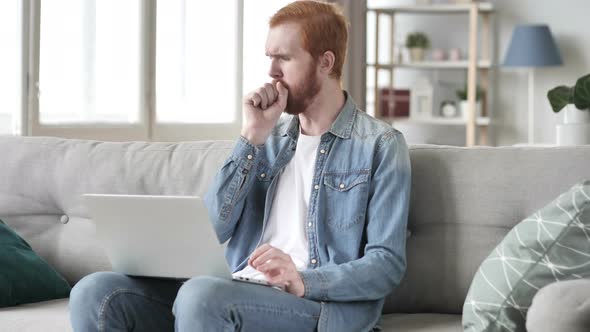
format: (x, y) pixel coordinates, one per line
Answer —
(6, 125)
(464, 106)
(575, 129)
(573, 115)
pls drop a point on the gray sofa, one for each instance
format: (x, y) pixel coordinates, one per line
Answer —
(464, 200)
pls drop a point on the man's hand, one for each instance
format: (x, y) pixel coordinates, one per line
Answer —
(262, 110)
(278, 268)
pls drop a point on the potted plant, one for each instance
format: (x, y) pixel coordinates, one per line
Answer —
(463, 104)
(417, 42)
(575, 129)
(575, 100)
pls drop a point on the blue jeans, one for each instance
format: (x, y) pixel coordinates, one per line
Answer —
(108, 301)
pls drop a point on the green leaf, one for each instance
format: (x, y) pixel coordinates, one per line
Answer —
(559, 97)
(582, 93)
(417, 39)
(462, 93)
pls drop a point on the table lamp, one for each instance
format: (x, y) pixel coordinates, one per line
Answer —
(532, 46)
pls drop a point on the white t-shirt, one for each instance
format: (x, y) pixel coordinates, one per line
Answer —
(285, 228)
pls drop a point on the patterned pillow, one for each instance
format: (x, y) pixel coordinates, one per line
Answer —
(551, 245)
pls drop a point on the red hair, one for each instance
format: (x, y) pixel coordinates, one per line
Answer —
(323, 28)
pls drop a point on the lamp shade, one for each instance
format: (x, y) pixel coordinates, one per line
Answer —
(532, 46)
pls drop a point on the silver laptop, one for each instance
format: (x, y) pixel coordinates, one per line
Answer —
(158, 236)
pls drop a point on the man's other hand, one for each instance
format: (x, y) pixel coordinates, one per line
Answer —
(262, 110)
(278, 268)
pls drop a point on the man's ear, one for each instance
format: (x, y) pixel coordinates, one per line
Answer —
(327, 61)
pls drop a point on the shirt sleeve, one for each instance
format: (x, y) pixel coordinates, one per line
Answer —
(381, 268)
(226, 197)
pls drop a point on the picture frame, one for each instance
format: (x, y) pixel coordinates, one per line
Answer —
(421, 100)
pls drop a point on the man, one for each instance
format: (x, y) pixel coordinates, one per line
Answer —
(315, 202)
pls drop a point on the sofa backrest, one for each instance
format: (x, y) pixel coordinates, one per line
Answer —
(463, 202)
(42, 180)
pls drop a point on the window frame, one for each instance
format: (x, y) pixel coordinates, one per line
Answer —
(147, 129)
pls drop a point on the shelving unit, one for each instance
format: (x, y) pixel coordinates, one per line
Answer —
(480, 121)
(475, 66)
(462, 64)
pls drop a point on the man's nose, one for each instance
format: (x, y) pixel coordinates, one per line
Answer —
(274, 71)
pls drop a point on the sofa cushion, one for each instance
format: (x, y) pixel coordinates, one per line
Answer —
(47, 316)
(24, 276)
(421, 323)
(561, 306)
(553, 244)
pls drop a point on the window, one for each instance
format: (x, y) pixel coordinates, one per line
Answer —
(145, 69)
(256, 17)
(10, 67)
(196, 61)
(89, 61)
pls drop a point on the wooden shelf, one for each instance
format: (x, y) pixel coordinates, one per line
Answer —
(435, 9)
(482, 121)
(462, 64)
(478, 64)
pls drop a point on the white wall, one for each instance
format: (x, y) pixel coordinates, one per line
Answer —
(568, 20)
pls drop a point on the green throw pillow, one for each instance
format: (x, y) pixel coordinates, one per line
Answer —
(551, 245)
(24, 276)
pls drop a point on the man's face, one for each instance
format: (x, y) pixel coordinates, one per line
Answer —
(293, 66)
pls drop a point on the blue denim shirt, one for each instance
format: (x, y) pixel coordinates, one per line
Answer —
(357, 216)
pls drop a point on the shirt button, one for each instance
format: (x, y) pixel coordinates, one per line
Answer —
(322, 151)
(342, 186)
(309, 224)
(316, 187)
(262, 175)
(313, 261)
(249, 157)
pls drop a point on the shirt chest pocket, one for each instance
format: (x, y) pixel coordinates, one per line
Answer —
(346, 196)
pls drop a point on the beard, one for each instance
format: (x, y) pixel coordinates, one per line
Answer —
(302, 95)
